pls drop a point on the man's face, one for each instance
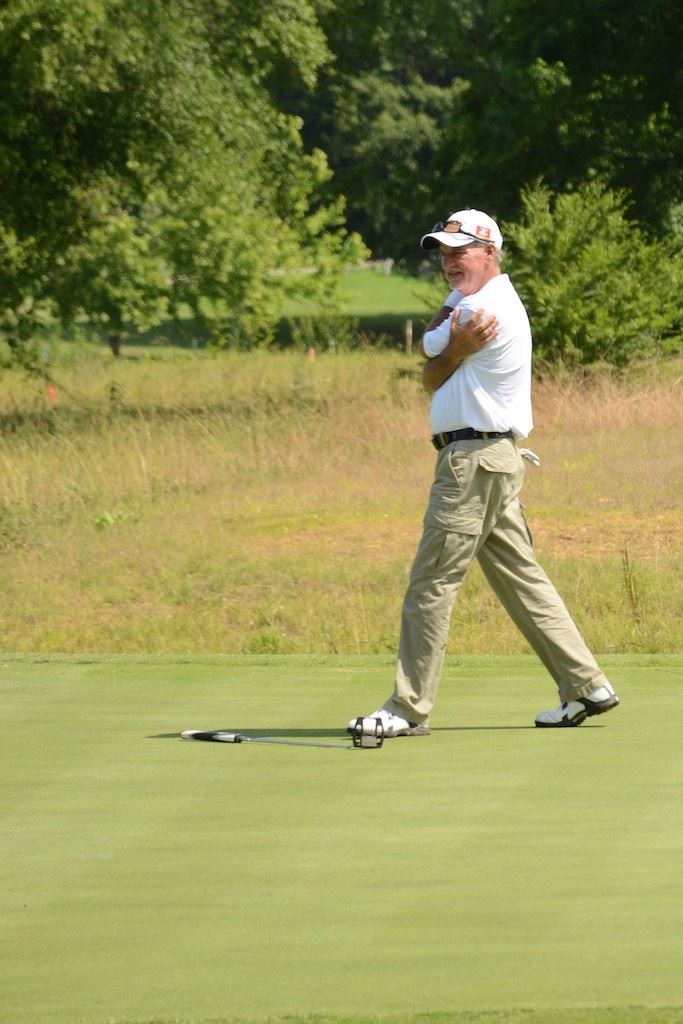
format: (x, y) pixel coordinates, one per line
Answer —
(468, 267)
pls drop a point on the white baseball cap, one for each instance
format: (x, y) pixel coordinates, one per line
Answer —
(461, 228)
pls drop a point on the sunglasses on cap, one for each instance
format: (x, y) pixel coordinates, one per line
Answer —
(454, 227)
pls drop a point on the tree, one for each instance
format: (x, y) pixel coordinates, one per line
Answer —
(431, 107)
(146, 171)
(597, 290)
(399, 74)
(592, 89)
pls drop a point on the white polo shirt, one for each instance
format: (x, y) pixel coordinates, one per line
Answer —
(491, 390)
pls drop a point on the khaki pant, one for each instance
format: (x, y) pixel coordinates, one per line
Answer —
(474, 512)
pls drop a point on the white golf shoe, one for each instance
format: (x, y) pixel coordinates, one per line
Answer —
(393, 725)
(574, 712)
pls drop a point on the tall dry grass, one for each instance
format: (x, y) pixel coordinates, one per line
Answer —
(267, 502)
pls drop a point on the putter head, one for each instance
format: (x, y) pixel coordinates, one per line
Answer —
(368, 733)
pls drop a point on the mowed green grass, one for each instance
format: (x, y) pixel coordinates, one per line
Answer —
(368, 291)
(491, 872)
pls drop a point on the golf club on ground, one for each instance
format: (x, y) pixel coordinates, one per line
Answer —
(362, 737)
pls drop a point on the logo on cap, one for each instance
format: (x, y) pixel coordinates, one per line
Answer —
(455, 227)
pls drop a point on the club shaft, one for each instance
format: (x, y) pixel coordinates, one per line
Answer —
(221, 736)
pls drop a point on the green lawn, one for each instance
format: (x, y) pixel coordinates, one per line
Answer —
(376, 304)
(491, 873)
(367, 291)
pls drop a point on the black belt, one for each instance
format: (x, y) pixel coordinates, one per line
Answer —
(466, 434)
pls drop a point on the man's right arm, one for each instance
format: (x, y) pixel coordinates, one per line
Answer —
(439, 318)
(450, 302)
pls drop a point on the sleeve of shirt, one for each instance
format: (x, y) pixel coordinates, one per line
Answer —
(435, 341)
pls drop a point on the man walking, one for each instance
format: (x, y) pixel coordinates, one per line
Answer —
(478, 352)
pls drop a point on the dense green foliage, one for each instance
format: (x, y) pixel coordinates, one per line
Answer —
(597, 290)
(207, 160)
(452, 104)
(146, 171)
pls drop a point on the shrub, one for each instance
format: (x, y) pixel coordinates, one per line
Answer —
(597, 290)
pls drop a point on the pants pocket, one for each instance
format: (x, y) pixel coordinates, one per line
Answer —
(461, 466)
(455, 501)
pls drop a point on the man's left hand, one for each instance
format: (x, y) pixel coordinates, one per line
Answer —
(468, 338)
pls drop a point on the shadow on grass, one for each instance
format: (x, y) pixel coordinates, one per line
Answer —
(380, 330)
(333, 733)
(258, 731)
(319, 328)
